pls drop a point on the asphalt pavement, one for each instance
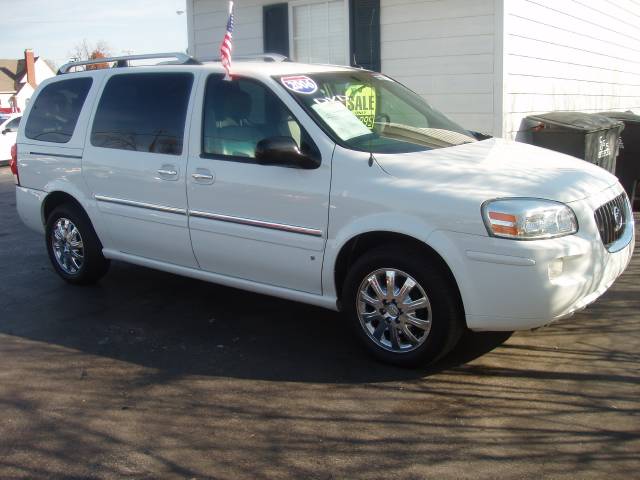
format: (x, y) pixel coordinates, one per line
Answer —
(150, 375)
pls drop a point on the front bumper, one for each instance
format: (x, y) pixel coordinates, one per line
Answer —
(518, 285)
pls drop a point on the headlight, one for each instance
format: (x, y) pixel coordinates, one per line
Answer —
(528, 218)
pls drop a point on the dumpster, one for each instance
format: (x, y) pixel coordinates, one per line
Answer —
(591, 137)
(628, 163)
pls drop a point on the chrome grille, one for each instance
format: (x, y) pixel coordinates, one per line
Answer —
(611, 219)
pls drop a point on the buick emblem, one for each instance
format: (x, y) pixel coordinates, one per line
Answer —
(617, 219)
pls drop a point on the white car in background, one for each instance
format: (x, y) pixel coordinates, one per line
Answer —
(8, 135)
(329, 185)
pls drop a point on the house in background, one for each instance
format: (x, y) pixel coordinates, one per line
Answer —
(19, 78)
(485, 63)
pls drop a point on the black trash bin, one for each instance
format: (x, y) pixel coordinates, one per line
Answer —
(591, 137)
(628, 163)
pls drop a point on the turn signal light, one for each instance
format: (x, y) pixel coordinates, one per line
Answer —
(503, 223)
(13, 163)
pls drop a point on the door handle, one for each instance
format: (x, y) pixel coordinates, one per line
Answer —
(203, 176)
(168, 172)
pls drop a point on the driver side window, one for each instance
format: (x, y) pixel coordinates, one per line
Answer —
(240, 113)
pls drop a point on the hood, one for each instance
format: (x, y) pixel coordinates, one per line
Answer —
(499, 168)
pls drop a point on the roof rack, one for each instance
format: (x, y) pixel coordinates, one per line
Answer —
(180, 59)
(265, 57)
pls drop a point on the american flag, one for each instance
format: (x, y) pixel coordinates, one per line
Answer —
(226, 47)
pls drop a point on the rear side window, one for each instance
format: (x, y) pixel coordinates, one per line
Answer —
(55, 112)
(144, 112)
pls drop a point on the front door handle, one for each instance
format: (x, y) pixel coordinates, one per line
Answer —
(168, 172)
(202, 175)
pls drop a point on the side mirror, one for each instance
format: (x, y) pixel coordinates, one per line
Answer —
(6, 130)
(284, 152)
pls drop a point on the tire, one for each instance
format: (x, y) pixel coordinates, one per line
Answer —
(440, 318)
(73, 246)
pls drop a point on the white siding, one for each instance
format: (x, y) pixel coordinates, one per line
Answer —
(209, 20)
(581, 55)
(445, 50)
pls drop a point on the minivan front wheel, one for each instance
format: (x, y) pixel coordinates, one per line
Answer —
(73, 246)
(402, 306)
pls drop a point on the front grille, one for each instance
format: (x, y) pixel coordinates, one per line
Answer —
(611, 219)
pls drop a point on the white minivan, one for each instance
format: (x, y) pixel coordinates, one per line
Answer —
(329, 185)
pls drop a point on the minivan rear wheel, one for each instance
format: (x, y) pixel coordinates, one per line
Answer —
(73, 246)
(402, 307)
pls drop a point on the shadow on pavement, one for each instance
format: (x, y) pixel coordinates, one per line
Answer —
(183, 326)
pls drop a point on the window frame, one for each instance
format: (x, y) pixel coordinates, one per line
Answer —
(32, 104)
(238, 158)
(185, 129)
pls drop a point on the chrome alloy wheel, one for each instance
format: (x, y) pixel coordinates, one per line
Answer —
(67, 246)
(394, 310)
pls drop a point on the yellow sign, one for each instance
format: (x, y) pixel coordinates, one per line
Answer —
(361, 100)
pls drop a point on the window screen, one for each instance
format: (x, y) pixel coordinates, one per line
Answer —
(145, 112)
(319, 32)
(240, 113)
(55, 112)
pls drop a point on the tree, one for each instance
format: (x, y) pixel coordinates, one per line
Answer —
(86, 51)
(96, 54)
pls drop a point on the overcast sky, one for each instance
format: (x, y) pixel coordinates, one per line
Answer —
(53, 27)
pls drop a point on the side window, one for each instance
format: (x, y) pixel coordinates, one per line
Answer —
(55, 113)
(145, 112)
(240, 113)
(13, 124)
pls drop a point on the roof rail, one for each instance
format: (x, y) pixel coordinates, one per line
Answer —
(181, 58)
(265, 57)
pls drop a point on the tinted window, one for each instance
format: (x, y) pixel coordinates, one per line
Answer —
(145, 112)
(240, 113)
(55, 112)
(13, 124)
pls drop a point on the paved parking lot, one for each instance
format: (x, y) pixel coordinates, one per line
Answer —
(153, 375)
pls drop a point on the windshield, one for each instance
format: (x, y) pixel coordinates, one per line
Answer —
(371, 112)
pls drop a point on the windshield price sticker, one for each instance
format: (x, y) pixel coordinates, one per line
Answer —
(361, 101)
(342, 121)
(300, 84)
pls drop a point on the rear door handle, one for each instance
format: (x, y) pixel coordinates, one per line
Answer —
(172, 173)
(202, 175)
